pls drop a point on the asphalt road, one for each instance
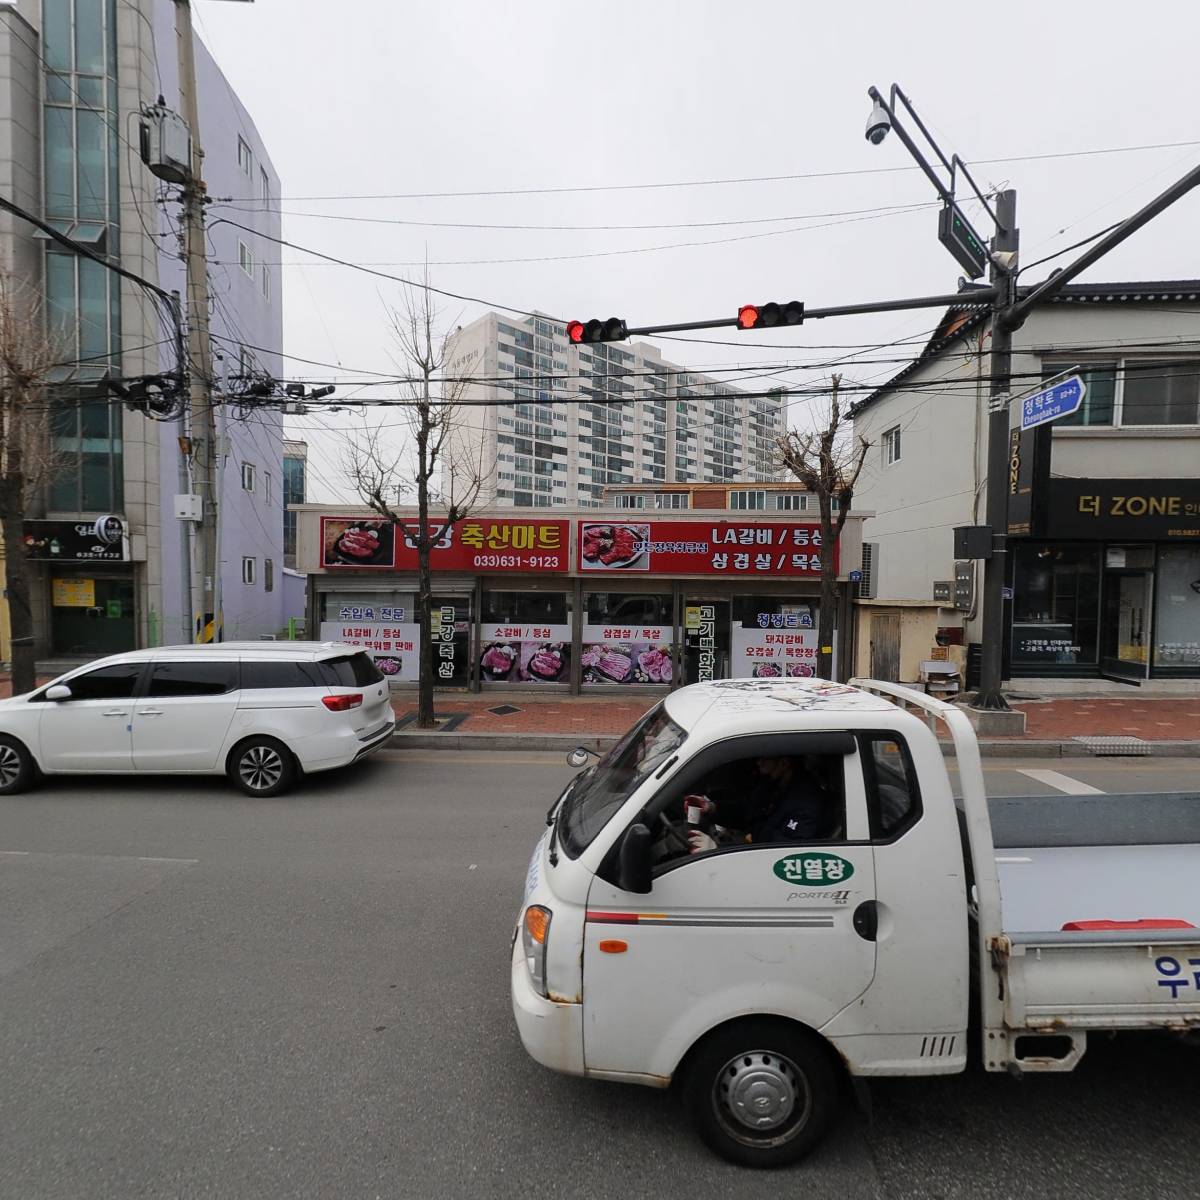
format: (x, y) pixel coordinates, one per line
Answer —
(207, 996)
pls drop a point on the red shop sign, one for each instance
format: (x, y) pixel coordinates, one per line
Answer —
(756, 548)
(483, 544)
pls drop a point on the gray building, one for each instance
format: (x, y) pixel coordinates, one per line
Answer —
(559, 422)
(1104, 522)
(75, 77)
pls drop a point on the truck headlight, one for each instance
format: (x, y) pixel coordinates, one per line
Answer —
(535, 935)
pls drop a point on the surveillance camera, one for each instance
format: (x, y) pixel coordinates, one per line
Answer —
(1006, 260)
(878, 124)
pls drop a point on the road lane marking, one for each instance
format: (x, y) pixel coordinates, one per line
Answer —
(1064, 783)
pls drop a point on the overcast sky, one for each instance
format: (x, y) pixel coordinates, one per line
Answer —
(374, 98)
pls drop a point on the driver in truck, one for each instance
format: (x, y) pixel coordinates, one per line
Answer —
(789, 800)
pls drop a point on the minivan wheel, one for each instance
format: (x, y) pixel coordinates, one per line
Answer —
(761, 1093)
(262, 766)
(17, 768)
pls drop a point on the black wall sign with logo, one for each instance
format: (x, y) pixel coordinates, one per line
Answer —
(101, 540)
(1124, 509)
(1028, 475)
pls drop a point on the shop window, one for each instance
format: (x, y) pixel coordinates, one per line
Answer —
(1177, 609)
(627, 639)
(526, 638)
(773, 637)
(1056, 606)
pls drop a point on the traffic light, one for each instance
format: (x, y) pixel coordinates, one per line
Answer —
(612, 330)
(770, 316)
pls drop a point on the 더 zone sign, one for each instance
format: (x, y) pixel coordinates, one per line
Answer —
(1060, 400)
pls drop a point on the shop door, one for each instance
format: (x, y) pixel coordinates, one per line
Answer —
(105, 626)
(706, 640)
(885, 646)
(1125, 626)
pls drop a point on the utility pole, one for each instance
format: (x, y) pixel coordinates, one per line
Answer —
(201, 413)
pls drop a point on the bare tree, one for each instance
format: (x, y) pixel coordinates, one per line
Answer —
(27, 459)
(828, 464)
(383, 475)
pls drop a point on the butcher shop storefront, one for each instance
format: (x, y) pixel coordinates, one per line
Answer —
(577, 604)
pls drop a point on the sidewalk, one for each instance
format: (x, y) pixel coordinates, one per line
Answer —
(1171, 724)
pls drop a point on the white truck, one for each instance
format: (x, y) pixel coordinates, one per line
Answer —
(763, 975)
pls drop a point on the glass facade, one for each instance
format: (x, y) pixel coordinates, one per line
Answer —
(1056, 605)
(1177, 609)
(80, 132)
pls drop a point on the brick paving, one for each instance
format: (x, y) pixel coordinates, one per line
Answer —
(1161, 719)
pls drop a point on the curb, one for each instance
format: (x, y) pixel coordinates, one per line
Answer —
(516, 742)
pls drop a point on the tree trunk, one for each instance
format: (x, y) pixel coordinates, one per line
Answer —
(16, 581)
(827, 610)
(425, 714)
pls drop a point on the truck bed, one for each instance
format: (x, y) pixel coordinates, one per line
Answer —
(1065, 860)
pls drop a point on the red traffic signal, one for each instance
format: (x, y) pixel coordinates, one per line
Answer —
(770, 316)
(612, 330)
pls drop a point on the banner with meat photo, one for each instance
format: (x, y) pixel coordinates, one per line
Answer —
(533, 654)
(613, 547)
(353, 542)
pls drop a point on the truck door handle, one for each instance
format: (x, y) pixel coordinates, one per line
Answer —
(866, 920)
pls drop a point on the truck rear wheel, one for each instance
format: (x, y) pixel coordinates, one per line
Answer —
(761, 1092)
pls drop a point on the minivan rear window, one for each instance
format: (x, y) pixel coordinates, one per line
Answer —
(351, 670)
(259, 675)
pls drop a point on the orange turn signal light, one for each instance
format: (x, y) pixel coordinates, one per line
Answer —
(537, 922)
(614, 946)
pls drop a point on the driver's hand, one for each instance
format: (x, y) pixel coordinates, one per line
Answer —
(699, 842)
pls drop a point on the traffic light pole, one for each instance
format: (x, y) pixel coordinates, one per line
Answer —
(995, 569)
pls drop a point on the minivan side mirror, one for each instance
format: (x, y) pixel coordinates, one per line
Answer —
(59, 691)
(633, 862)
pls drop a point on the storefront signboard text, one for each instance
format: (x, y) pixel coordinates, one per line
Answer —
(513, 652)
(723, 548)
(483, 545)
(393, 645)
(103, 540)
(1124, 509)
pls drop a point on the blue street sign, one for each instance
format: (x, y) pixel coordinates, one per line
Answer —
(1059, 400)
(855, 577)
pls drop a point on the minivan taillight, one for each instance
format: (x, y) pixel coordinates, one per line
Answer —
(342, 703)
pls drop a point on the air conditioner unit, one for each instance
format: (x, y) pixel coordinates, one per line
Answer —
(166, 144)
(866, 585)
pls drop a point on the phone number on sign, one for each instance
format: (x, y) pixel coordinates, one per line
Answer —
(546, 561)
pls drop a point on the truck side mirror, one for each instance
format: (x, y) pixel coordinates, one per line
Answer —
(633, 864)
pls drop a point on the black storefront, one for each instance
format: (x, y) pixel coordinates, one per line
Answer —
(1104, 576)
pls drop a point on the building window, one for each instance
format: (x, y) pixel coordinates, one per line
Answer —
(267, 497)
(791, 501)
(1160, 393)
(268, 574)
(756, 499)
(264, 181)
(248, 477)
(1177, 595)
(246, 259)
(266, 282)
(672, 500)
(891, 446)
(245, 158)
(249, 570)
(629, 500)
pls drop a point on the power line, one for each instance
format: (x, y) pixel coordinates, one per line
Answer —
(849, 212)
(634, 187)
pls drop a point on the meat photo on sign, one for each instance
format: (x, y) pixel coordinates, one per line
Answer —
(612, 547)
(354, 543)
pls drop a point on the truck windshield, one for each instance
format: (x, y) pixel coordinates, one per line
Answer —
(617, 775)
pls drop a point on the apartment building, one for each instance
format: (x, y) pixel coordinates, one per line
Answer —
(553, 424)
(75, 77)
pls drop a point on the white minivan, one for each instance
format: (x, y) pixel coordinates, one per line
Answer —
(262, 713)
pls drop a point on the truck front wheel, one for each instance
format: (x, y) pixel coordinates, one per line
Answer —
(761, 1092)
